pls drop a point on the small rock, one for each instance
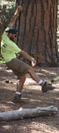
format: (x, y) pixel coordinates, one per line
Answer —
(7, 81)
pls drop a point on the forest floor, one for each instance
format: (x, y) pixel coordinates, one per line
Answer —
(33, 97)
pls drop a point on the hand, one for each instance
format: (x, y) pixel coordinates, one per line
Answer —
(33, 62)
(20, 8)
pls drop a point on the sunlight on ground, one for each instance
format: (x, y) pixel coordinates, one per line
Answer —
(47, 71)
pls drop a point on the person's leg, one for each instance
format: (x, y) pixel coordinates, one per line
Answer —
(20, 84)
(33, 75)
(21, 68)
(45, 86)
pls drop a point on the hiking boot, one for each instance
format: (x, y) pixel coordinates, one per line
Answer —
(17, 98)
(46, 87)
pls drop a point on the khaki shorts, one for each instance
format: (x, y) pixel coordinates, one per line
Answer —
(18, 67)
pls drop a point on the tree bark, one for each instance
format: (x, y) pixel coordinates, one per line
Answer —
(37, 26)
(28, 113)
(2, 20)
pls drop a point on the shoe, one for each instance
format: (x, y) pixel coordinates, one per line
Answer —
(46, 87)
(17, 98)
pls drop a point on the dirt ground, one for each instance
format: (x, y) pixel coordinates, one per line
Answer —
(33, 97)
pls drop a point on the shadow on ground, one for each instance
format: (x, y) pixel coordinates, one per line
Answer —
(33, 97)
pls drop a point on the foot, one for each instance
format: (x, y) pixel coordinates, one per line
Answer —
(46, 87)
(17, 98)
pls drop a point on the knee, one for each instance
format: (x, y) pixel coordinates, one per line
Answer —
(30, 70)
(23, 78)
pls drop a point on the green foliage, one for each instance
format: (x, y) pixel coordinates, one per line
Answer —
(10, 7)
(58, 1)
(9, 14)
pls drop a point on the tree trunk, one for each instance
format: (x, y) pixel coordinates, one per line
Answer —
(2, 20)
(37, 26)
(28, 113)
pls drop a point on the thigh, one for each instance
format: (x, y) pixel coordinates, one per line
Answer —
(18, 67)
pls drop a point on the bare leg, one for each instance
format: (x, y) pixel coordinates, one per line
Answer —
(45, 86)
(34, 75)
(20, 83)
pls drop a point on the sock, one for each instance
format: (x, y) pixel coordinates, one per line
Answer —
(40, 82)
(18, 93)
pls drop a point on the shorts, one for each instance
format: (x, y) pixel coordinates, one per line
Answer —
(18, 67)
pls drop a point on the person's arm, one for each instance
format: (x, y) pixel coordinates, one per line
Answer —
(28, 57)
(18, 10)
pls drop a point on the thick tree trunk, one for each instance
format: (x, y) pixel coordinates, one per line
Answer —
(2, 20)
(28, 113)
(37, 26)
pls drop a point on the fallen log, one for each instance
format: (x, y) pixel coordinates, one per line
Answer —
(28, 113)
